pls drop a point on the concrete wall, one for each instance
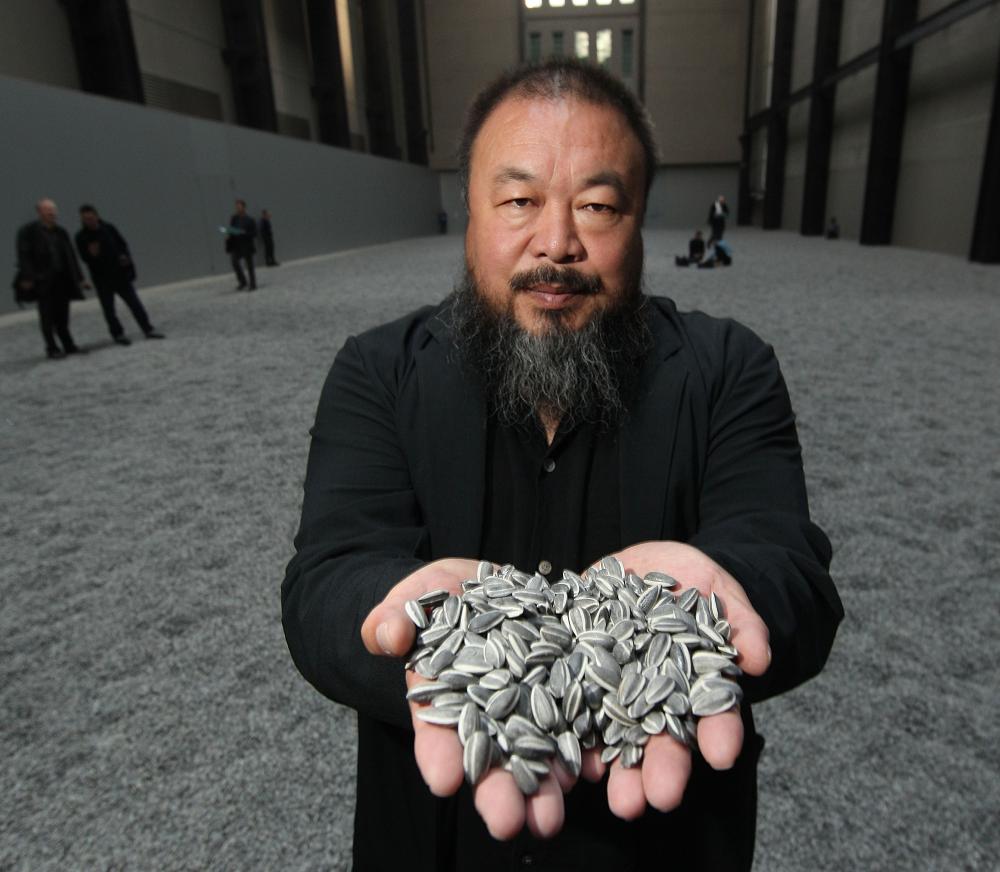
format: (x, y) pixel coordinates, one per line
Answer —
(944, 142)
(795, 166)
(763, 53)
(805, 42)
(288, 53)
(695, 66)
(469, 42)
(849, 151)
(860, 27)
(168, 181)
(183, 42)
(39, 48)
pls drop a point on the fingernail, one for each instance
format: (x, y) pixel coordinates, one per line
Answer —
(768, 653)
(382, 637)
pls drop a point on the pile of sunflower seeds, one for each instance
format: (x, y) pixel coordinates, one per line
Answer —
(529, 672)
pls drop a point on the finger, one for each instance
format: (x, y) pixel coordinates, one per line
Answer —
(545, 810)
(388, 630)
(500, 804)
(593, 769)
(565, 779)
(439, 757)
(626, 797)
(720, 738)
(666, 768)
(750, 636)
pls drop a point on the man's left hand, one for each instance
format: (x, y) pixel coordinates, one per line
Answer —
(666, 765)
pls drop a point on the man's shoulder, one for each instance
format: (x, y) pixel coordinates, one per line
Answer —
(709, 339)
(405, 334)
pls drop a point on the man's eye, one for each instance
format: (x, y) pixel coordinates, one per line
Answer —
(599, 207)
(519, 202)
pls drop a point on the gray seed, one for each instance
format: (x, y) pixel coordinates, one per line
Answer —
(426, 691)
(616, 710)
(468, 722)
(498, 587)
(526, 780)
(583, 724)
(534, 747)
(647, 599)
(676, 729)
(539, 767)
(597, 638)
(661, 579)
(479, 695)
(622, 651)
(518, 725)
(572, 701)
(610, 752)
(631, 756)
(484, 570)
(556, 634)
(502, 702)
(452, 610)
(723, 628)
(716, 607)
(471, 660)
(630, 688)
(486, 621)
(494, 653)
(688, 599)
(636, 736)
(655, 722)
(433, 597)
(570, 754)
(613, 566)
(496, 679)
(476, 758)
(708, 661)
(415, 612)
(677, 704)
(639, 708)
(543, 708)
(712, 702)
(659, 688)
(441, 659)
(558, 679)
(442, 717)
(450, 700)
(659, 647)
(538, 674)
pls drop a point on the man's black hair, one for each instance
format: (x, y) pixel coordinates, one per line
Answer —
(86, 207)
(553, 80)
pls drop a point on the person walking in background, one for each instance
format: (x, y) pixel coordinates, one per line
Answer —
(833, 229)
(112, 271)
(717, 214)
(239, 244)
(267, 234)
(48, 271)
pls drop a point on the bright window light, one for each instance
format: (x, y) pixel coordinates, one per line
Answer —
(580, 2)
(581, 44)
(603, 45)
(557, 3)
(532, 4)
(604, 2)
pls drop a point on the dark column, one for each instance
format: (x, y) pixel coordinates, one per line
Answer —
(828, 21)
(246, 56)
(777, 124)
(105, 48)
(378, 82)
(986, 234)
(892, 85)
(328, 73)
(744, 208)
(409, 58)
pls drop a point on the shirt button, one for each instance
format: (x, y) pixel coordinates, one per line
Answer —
(549, 464)
(545, 567)
(527, 860)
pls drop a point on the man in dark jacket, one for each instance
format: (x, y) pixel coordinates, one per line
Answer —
(717, 214)
(239, 244)
(267, 235)
(112, 271)
(48, 271)
(549, 413)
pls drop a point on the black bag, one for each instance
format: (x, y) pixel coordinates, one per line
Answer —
(23, 295)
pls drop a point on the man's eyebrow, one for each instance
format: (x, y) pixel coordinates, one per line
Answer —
(609, 178)
(512, 174)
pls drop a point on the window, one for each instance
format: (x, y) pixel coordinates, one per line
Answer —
(627, 62)
(603, 45)
(604, 2)
(534, 46)
(557, 43)
(557, 3)
(581, 44)
(532, 4)
(580, 2)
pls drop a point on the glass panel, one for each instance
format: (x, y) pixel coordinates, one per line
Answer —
(626, 2)
(534, 46)
(604, 2)
(557, 43)
(580, 2)
(603, 44)
(557, 3)
(626, 53)
(581, 44)
(532, 4)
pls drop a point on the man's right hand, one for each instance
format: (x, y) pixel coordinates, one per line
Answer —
(388, 631)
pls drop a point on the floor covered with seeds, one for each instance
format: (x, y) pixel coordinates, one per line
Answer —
(150, 716)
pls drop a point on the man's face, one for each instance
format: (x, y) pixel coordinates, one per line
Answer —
(48, 213)
(555, 185)
(241, 207)
(89, 220)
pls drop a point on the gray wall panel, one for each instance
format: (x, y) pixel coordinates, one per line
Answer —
(168, 181)
(849, 151)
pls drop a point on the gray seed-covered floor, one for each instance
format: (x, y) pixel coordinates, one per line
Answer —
(150, 717)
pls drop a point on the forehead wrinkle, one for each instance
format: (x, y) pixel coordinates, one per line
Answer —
(512, 174)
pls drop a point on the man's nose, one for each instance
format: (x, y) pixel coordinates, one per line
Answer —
(555, 236)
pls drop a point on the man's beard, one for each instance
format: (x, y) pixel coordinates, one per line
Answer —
(586, 375)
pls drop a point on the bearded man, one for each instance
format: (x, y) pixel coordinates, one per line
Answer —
(546, 414)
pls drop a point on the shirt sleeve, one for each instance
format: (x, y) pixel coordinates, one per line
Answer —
(361, 532)
(754, 514)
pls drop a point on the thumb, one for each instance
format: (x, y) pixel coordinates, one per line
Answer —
(388, 630)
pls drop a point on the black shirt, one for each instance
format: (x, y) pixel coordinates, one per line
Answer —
(551, 507)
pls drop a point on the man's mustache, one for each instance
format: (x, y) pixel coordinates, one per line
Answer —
(571, 279)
